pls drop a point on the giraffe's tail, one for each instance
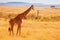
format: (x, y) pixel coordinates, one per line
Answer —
(9, 29)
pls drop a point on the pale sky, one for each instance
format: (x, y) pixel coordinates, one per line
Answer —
(33, 1)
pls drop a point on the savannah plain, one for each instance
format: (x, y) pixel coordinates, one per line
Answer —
(42, 23)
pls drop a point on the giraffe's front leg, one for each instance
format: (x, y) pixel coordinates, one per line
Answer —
(19, 29)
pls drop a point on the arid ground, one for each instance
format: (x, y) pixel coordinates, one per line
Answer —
(32, 29)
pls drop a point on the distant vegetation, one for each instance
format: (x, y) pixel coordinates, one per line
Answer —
(34, 15)
(52, 6)
(41, 18)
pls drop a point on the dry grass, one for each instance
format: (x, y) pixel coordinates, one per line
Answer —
(31, 29)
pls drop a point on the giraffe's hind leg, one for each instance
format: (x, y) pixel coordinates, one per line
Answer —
(12, 28)
(11, 22)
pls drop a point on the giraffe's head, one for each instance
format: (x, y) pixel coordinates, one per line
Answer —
(32, 6)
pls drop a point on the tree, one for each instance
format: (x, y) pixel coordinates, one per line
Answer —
(52, 6)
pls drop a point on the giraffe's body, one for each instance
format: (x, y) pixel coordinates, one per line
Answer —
(18, 20)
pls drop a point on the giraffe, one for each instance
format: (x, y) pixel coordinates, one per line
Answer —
(18, 20)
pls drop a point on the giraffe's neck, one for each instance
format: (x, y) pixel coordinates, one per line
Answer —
(22, 15)
(26, 12)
